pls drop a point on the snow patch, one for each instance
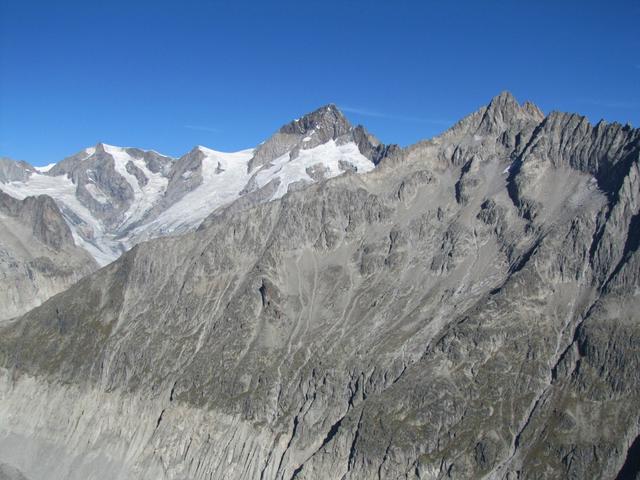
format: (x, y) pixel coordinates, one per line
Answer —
(45, 168)
(63, 191)
(145, 196)
(224, 175)
(328, 155)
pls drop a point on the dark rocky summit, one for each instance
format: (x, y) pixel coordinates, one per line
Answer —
(316, 128)
(466, 310)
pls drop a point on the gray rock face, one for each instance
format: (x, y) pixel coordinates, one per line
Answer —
(38, 257)
(9, 473)
(11, 170)
(465, 310)
(42, 216)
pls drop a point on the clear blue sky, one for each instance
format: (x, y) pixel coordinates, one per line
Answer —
(169, 75)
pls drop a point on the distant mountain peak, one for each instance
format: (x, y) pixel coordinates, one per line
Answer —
(113, 149)
(327, 118)
(504, 110)
(504, 104)
(312, 129)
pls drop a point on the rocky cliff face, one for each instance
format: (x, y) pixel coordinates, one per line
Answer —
(465, 310)
(11, 170)
(38, 257)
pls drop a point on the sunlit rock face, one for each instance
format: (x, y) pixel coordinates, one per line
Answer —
(467, 309)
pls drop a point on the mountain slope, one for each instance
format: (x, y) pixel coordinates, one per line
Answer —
(113, 197)
(37, 255)
(465, 310)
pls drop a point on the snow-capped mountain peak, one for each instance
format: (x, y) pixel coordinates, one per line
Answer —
(114, 197)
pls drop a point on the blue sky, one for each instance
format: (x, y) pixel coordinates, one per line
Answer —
(170, 75)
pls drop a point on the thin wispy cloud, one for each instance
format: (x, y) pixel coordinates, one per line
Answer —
(203, 128)
(373, 113)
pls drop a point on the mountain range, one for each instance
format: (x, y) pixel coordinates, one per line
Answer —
(113, 197)
(465, 307)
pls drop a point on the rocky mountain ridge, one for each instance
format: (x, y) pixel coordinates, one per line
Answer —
(114, 197)
(467, 309)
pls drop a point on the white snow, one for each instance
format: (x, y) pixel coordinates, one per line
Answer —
(121, 158)
(220, 188)
(145, 196)
(224, 176)
(306, 139)
(45, 168)
(216, 189)
(63, 191)
(506, 170)
(328, 155)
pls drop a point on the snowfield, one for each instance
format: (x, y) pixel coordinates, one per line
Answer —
(225, 177)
